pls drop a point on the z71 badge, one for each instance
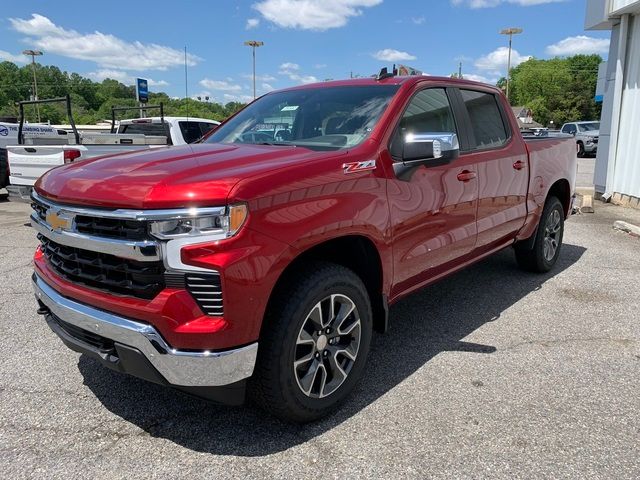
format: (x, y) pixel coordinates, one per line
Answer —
(356, 167)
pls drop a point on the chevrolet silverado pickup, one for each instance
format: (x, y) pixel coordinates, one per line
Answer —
(259, 261)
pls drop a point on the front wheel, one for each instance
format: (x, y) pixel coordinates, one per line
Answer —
(548, 240)
(581, 151)
(314, 343)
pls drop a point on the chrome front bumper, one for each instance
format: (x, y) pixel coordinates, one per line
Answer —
(177, 367)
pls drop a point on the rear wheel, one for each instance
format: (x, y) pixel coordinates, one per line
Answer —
(314, 343)
(548, 240)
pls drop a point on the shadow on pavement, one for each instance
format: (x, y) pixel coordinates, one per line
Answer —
(423, 325)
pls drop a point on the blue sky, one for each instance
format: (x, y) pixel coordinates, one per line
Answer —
(305, 40)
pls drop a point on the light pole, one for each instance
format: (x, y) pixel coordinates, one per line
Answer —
(254, 44)
(511, 32)
(34, 54)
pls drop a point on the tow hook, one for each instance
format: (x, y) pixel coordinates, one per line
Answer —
(43, 310)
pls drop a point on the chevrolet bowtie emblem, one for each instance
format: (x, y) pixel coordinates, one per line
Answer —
(56, 221)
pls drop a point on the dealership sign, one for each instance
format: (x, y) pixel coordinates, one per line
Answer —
(142, 90)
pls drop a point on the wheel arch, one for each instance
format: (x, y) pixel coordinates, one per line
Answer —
(354, 251)
(562, 191)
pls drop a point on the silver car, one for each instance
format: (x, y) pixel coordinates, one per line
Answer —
(586, 134)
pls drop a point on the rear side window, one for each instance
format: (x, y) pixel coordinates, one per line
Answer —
(428, 111)
(486, 119)
(190, 131)
(144, 129)
(206, 127)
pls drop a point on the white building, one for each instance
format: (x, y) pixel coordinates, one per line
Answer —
(618, 162)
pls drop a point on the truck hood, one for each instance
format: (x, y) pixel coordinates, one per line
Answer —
(167, 177)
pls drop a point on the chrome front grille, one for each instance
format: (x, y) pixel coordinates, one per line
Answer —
(206, 289)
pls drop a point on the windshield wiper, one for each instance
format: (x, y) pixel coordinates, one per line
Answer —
(277, 144)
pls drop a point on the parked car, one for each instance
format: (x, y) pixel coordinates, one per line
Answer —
(243, 264)
(28, 163)
(586, 134)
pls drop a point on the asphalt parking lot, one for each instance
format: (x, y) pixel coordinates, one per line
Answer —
(491, 373)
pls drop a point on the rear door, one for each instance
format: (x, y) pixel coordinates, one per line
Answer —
(501, 160)
(433, 208)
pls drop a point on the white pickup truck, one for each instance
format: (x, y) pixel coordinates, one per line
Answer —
(31, 159)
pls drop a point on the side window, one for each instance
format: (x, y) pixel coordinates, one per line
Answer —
(428, 111)
(571, 129)
(486, 121)
(206, 127)
(190, 131)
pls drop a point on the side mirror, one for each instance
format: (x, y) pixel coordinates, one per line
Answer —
(430, 148)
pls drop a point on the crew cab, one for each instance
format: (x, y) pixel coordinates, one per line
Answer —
(262, 263)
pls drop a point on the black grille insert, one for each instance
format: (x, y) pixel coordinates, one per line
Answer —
(206, 289)
(103, 271)
(93, 339)
(111, 227)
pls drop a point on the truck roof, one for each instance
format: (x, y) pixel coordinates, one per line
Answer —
(392, 80)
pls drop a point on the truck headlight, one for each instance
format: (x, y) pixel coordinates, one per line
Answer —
(226, 224)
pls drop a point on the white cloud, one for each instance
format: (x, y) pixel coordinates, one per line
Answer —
(266, 87)
(252, 23)
(580, 44)
(479, 78)
(119, 75)
(312, 14)
(497, 60)
(288, 68)
(292, 70)
(391, 55)
(418, 20)
(320, 66)
(122, 77)
(228, 97)
(259, 78)
(108, 51)
(157, 83)
(303, 78)
(495, 3)
(10, 57)
(220, 85)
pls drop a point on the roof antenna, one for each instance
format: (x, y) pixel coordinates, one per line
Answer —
(186, 84)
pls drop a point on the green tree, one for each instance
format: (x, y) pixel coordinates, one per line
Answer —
(558, 90)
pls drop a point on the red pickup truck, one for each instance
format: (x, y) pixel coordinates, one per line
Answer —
(261, 260)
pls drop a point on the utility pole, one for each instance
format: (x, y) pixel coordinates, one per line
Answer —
(34, 54)
(460, 70)
(511, 32)
(254, 44)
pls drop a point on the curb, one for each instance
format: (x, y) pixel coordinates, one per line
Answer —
(627, 228)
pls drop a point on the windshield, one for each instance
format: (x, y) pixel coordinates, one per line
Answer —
(589, 127)
(322, 118)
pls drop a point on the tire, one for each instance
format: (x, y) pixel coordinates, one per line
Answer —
(285, 390)
(541, 258)
(581, 152)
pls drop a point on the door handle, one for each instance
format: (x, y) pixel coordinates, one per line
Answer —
(466, 175)
(519, 165)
